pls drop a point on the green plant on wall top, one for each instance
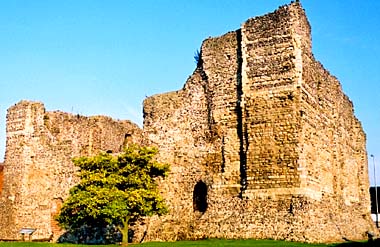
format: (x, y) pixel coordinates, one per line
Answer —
(115, 190)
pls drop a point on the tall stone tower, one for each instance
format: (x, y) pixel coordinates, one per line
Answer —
(263, 142)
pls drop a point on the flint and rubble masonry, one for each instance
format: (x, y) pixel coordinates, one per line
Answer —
(38, 168)
(261, 140)
(270, 133)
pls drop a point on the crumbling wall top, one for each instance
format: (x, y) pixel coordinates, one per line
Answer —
(38, 168)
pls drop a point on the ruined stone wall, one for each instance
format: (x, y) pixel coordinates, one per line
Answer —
(38, 171)
(196, 134)
(332, 137)
(1, 176)
(257, 148)
(333, 153)
(261, 140)
(270, 100)
(223, 91)
(199, 110)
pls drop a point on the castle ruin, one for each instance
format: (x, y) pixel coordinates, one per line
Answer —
(262, 143)
(38, 169)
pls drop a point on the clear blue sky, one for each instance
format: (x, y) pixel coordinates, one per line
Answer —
(104, 57)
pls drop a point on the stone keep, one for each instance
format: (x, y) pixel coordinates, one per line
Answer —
(262, 141)
(38, 171)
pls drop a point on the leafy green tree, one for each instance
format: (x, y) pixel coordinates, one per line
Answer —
(115, 190)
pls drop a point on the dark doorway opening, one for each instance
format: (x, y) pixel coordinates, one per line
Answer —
(200, 197)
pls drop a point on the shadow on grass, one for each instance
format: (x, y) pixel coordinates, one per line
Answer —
(371, 243)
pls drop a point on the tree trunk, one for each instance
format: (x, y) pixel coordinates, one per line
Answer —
(124, 231)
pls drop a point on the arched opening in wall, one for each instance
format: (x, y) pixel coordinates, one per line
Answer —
(127, 141)
(200, 197)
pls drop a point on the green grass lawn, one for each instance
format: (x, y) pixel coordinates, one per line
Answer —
(229, 243)
(212, 242)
